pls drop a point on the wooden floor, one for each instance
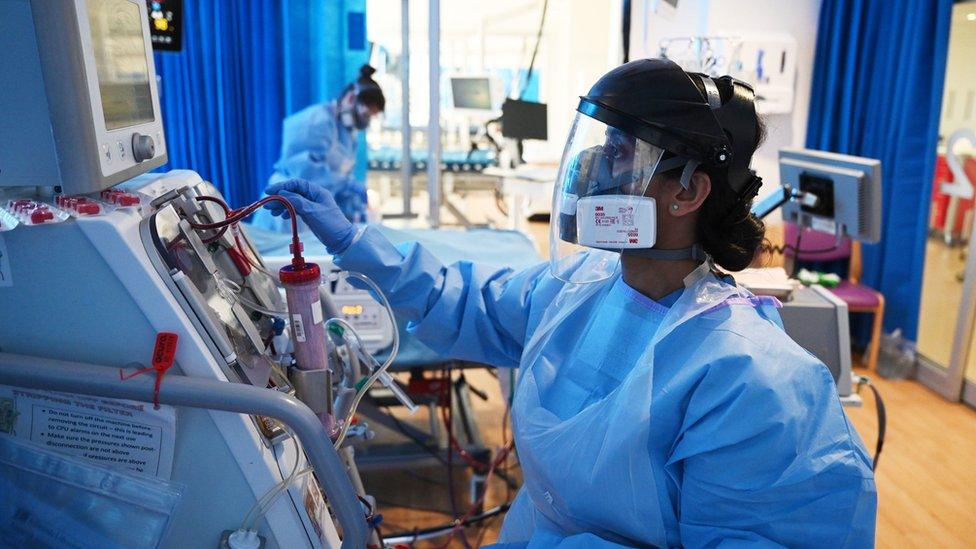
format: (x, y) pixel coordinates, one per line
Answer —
(420, 498)
(927, 473)
(926, 477)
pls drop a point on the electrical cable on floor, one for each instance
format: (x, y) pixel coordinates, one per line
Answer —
(472, 462)
(882, 418)
(461, 523)
(444, 529)
(455, 527)
(483, 530)
(436, 452)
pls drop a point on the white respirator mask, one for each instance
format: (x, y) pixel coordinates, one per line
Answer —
(614, 222)
(600, 201)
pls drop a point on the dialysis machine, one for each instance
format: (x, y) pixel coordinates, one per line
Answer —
(120, 287)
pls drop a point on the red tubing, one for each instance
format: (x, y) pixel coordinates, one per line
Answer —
(233, 216)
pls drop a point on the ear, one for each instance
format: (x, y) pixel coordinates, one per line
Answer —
(690, 200)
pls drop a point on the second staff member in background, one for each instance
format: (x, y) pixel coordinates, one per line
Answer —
(318, 144)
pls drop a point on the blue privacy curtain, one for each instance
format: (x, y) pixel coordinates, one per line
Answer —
(244, 67)
(877, 92)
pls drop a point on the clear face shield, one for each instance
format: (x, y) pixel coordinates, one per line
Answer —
(599, 200)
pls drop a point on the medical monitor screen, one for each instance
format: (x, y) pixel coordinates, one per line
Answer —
(120, 59)
(471, 93)
(166, 24)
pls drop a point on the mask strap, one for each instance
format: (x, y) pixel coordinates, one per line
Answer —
(694, 252)
(711, 90)
(686, 174)
(670, 164)
(676, 162)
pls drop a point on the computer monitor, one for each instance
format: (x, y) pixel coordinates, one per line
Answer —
(80, 109)
(471, 93)
(847, 189)
(524, 120)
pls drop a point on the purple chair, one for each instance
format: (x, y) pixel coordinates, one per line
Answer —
(859, 298)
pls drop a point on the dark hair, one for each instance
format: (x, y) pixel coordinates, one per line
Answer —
(727, 229)
(369, 92)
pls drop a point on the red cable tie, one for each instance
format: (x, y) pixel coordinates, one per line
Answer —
(164, 353)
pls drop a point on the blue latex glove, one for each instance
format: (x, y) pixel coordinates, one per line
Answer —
(318, 208)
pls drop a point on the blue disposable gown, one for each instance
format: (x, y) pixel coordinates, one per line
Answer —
(694, 422)
(317, 148)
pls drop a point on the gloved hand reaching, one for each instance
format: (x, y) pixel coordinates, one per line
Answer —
(318, 209)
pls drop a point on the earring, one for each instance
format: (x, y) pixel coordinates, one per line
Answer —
(674, 207)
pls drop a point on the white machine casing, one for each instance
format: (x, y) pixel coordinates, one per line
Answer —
(80, 115)
(88, 289)
(54, 131)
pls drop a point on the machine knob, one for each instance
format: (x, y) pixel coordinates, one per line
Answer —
(143, 147)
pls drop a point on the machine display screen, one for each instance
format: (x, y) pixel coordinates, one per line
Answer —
(471, 93)
(120, 58)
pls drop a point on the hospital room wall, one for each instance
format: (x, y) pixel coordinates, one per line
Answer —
(797, 18)
(580, 43)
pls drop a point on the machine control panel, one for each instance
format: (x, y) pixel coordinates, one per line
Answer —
(143, 147)
(363, 312)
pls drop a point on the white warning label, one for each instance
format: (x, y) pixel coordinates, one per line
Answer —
(102, 439)
(115, 433)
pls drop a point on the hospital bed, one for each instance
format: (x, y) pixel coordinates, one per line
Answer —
(462, 174)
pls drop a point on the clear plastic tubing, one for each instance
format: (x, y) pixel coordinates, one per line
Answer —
(305, 316)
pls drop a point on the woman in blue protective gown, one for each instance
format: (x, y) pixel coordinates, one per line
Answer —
(658, 403)
(319, 143)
